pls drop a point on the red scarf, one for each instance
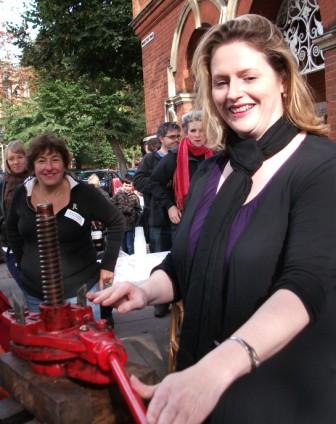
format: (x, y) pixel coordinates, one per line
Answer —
(182, 177)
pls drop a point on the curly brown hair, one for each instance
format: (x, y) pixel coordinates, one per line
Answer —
(47, 143)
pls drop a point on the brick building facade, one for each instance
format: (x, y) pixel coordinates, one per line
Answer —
(169, 31)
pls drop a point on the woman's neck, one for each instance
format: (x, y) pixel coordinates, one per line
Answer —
(45, 192)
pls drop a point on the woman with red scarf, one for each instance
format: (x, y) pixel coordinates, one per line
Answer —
(171, 177)
(173, 174)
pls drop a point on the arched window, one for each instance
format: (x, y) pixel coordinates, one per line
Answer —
(300, 23)
(193, 42)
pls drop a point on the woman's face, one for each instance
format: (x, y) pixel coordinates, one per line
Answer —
(17, 162)
(49, 168)
(195, 133)
(246, 91)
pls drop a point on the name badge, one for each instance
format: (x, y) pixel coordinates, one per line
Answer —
(75, 217)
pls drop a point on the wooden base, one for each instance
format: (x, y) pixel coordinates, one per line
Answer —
(62, 401)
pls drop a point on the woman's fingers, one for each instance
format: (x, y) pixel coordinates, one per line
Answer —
(157, 406)
(109, 295)
(144, 390)
(123, 296)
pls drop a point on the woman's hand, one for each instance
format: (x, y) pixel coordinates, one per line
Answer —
(185, 397)
(105, 278)
(124, 296)
(174, 214)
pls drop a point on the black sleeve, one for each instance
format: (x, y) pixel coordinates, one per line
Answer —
(2, 210)
(15, 241)
(103, 210)
(162, 180)
(142, 180)
(167, 266)
(309, 265)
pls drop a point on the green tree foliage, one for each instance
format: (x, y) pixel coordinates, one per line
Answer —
(78, 38)
(87, 119)
(89, 63)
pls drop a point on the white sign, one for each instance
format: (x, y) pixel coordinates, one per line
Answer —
(147, 39)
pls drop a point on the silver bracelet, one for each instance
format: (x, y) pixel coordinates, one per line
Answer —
(254, 358)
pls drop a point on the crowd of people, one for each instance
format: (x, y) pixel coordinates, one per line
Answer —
(245, 205)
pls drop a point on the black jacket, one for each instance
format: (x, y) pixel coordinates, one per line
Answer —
(143, 182)
(289, 243)
(77, 252)
(3, 213)
(163, 175)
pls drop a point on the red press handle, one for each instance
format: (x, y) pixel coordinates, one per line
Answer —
(133, 400)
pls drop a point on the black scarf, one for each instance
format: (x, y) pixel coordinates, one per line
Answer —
(204, 277)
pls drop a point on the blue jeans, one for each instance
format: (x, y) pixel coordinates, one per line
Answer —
(160, 239)
(128, 242)
(33, 302)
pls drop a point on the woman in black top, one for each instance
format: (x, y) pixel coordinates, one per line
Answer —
(255, 260)
(75, 206)
(15, 173)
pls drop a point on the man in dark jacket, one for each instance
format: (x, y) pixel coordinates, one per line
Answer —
(159, 224)
(169, 135)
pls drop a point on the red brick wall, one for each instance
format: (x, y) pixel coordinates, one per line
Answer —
(328, 15)
(138, 5)
(244, 6)
(155, 59)
(330, 76)
(182, 71)
(209, 12)
(209, 15)
(316, 81)
(162, 21)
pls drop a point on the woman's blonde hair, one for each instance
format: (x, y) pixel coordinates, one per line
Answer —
(94, 179)
(14, 146)
(261, 34)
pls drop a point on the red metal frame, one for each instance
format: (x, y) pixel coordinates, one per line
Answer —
(64, 340)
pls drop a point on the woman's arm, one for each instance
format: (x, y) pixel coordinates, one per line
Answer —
(299, 296)
(191, 395)
(268, 331)
(126, 296)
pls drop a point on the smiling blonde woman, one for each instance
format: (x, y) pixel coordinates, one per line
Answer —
(255, 252)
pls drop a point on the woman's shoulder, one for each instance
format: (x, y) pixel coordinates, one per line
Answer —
(88, 193)
(207, 164)
(321, 144)
(316, 151)
(313, 163)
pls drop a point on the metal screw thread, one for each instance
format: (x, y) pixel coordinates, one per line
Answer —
(49, 252)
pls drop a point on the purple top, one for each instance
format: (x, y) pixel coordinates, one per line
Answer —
(239, 224)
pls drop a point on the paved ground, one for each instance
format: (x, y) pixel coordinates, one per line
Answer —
(135, 323)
